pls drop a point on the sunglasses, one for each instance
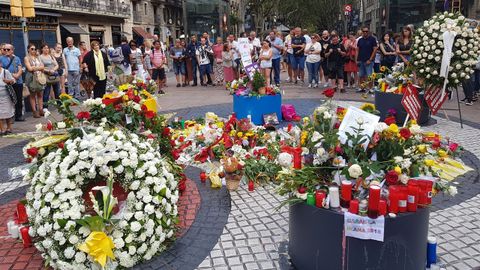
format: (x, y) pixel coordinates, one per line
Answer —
(32, 49)
(365, 31)
(6, 50)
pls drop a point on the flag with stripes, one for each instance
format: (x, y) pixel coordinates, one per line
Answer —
(434, 99)
(411, 102)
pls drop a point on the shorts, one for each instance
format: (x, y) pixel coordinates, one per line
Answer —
(266, 64)
(324, 66)
(298, 62)
(288, 58)
(158, 74)
(205, 69)
(364, 69)
(179, 68)
(337, 72)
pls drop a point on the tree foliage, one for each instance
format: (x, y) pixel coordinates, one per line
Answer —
(310, 14)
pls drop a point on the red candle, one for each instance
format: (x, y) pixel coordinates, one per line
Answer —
(297, 158)
(22, 213)
(402, 200)
(203, 177)
(373, 201)
(319, 198)
(393, 199)
(353, 207)
(422, 192)
(346, 190)
(429, 188)
(412, 199)
(27, 241)
(251, 185)
(382, 207)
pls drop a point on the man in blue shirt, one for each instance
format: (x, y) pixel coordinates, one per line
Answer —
(191, 53)
(12, 62)
(72, 56)
(367, 48)
(277, 48)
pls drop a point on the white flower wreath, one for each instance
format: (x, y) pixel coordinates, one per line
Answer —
(55, 199)
(428, 48)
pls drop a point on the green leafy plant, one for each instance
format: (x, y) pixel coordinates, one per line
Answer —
(258, 81)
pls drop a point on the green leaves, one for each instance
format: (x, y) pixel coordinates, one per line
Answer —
(95, 223)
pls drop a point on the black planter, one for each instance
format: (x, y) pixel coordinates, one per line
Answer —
(316, 235)
(386, 101)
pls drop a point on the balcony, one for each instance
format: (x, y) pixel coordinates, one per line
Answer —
(86, 6)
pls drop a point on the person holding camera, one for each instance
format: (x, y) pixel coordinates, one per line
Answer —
(51, 73)
(203, 52)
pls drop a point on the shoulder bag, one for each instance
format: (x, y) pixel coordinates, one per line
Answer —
(52, 78)
(9, 88)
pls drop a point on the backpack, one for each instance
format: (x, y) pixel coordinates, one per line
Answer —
(116, 56)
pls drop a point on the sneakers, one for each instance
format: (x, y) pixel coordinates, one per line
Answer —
(288, 79)
(310, 86)
(178, 85)
(469, 102)
(315, 86)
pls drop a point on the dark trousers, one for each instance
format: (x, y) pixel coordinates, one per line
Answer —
(46, 92)
(194, 70)
(468, 88)
(276, 70)
(18, 87)
(476, 75)
(99, 89)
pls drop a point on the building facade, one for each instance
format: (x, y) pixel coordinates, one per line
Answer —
(209, 16)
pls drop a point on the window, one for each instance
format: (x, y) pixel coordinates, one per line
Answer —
(145, 7)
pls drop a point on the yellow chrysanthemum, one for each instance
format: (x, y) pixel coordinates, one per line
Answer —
(398, 170)
(367, 107)
(422, 148)
(65, 96)
(393, 128)
(239, 134)
(429, 162)
(232, 133)
(442, 153)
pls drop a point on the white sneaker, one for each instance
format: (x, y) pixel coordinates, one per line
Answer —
(288, 80)
(326, 85)
(310, 86)
(315, 85)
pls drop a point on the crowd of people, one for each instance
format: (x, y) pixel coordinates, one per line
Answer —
(331, 60)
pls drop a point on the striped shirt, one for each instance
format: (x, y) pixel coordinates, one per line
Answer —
(158, 58)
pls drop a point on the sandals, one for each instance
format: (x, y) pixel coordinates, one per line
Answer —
(36, 114)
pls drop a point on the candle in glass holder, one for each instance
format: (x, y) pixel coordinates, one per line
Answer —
(203, 177)
(22, 213)
(297, 158)
(346, 190)
(362, 208)
(27, 241)
(353, 207)
(310, 199)
(251, 185)
(422, 192)
(393, 197)
(319, 198)
(412, 199)
(382, 207)
(373, 201)
(334, 197)
(402, 200)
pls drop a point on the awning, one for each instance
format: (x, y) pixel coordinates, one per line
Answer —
(96, 28)
(74, 29)
(139, 31)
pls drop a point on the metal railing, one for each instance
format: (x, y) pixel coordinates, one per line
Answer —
(89, 6)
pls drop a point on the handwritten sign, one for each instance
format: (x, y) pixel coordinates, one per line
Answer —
(352, 118)
(245, 51)
(251, 69)
(364, 227)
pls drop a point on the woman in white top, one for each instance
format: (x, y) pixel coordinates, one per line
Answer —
(265, 59)
(7, 108)
(312, 51)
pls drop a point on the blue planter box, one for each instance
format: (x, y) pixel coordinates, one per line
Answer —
(256, 107)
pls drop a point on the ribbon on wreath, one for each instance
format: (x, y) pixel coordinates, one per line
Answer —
(448, 40)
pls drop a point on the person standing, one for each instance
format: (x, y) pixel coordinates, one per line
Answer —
(324, 41)
(336, 58)
(34, 68)
(7, 108)
(256, 45)
(147, 51)
(12, 63)
(289, 54)
(277, 49)
(191, 53)
(177, 53)
(307, 37)
(313, 50)
(236, 55)
(404, 46)
(387, 48)
(351, 67)
(298, 59)
(203, 59)
(126, 63)
(158, 70)
(97, 64)
(82, 46)
(218, 65)
(367, 49)
(72, 55)
(265, 59)
(62, 65)
(136, 60)
(227, 63)
(53, 78)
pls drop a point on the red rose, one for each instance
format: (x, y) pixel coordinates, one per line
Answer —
(32, 151)
(329, 93)
(203, 177)
(405, 133)
(175, 154)
(338, 149)
(166, 132)
(49, 126)
(83, 116)
(149, 114)
(151, 136)
(436, 144)
(390, 120)
(136, 99)
(302, 190)
(336, 125)
(181, 139)
(453, 147)
(61, 145)
(118, 107)
(391, 177)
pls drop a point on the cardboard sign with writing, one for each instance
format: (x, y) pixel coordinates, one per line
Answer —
(411, 102)
(364, 227)
(251, 69)
(244, 49)
(433, 97)
(350, 121)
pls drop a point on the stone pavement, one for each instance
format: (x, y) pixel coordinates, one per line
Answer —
(250, 232)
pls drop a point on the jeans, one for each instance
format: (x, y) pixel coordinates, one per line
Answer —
(476, 75)
(275, 70)
(46, 92)
(73, 78)
(364, 69)
(205, 70)
(313, 72)
(468, 88)
(18, 87)
(298, 62)
(179, 68)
